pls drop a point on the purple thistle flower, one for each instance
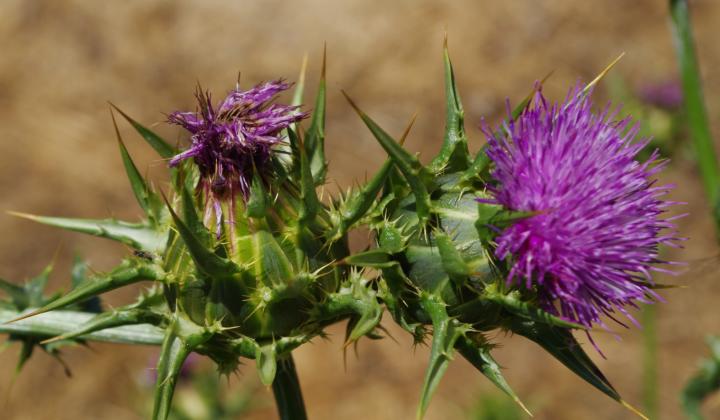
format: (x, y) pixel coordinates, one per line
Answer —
(591, 246)
(232, 141)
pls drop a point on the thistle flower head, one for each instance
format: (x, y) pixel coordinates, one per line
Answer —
(591, 246)
(232, 140)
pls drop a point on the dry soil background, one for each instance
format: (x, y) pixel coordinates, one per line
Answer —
(61, 61)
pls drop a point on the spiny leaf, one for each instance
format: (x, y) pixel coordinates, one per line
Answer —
(419, 179)
(454, 152)
(61, 321)
(207, 261)
(362, 200)
(192, 219)
(561, 344)
(136, 235)
(115, 318)
(130, 271)
(446, 332)
(272, 265)
(315, 135)
(452, 260)
(176, 347)
(147, 199)
(156, 142)
(136, 313)
(479, 356)
(310, 202)
(355, 297)
(512, 303)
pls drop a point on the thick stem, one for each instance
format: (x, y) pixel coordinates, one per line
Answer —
(52, 324)
(286, 388)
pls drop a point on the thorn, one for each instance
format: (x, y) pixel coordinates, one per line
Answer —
(352, 103)
(31, 314)
(633, 410)
(324, 62)
(525, 409)
(303, 68)
(52, 340)
(407, 129)
(27, 216)
(547, 76)
(602, 74)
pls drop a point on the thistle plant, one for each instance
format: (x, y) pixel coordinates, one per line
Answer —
(549, 227)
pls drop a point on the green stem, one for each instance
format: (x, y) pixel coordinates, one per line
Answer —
(286, 388)
(52, 324)
(695, 106)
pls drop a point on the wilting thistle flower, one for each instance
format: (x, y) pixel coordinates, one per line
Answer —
(589, 249)
(232, 141)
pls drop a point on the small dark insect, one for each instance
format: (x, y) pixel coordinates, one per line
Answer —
(145, 255)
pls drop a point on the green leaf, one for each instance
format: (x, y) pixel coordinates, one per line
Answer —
(454, 153)
(256, 206)
(452, 260)
(192, 219)
(477, 169)
(694, 102)
(206, 260)
(310, 202)
(375, 258)
(115, 318)
(146, 198)
(361, 200)
(513, 304)
(60, 322)
(173, 353)
(479, 356)
(356, 297)
(156, 142)
(137, 313)
(266, 361)
(35, 288)
(446, 332)
(561, 344)
(129, 272)
(136, 235)
(272, 266)
(419, 179)
(315, 135)
(392, 238)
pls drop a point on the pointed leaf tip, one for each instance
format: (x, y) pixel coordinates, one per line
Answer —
(155, 141)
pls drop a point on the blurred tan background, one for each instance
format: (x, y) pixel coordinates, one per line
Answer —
(61, 61)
